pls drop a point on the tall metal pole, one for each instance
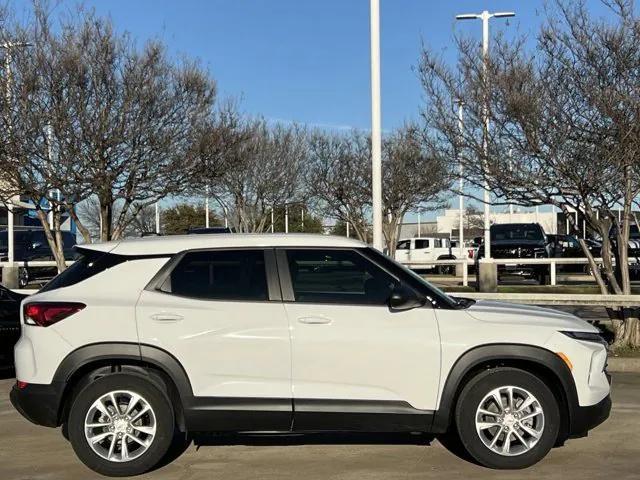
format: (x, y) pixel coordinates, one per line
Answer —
(206, 209)
(157, 218)
(485, 16)
(461, 185)
(376, 126)
(419, 224)
(485, 140)
(286, 219)
(7, 47)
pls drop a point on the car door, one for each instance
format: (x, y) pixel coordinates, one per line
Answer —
(402, 251)
(422, 251)
(220, 314)
(352, 355)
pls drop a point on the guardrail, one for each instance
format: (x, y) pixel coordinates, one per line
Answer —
(34, 263)
(465, 262)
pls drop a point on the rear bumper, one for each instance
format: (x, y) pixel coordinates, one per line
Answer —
(587, 418)
(40, 404)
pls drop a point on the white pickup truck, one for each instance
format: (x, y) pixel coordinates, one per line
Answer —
(414, 252)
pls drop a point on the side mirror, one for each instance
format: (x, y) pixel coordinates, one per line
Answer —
(403, 298)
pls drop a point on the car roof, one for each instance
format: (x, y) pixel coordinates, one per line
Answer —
(177, 243)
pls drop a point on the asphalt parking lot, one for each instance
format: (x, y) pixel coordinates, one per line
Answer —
(30, 452)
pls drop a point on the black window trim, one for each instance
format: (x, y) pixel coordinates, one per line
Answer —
(273, 283)
(288, 295)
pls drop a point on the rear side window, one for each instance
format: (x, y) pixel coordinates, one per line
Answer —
(220, 275)
(422, 244)
(87, 264)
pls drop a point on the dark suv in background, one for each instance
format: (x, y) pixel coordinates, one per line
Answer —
(31, 245)
(519, 240)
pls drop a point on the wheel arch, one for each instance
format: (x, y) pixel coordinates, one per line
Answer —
(95, 360)
(537, 360)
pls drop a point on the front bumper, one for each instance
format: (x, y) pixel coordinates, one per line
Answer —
(587, 418)
(40, 404)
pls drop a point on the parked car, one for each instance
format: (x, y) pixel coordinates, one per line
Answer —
(32, 245)
(633, 248)
(9, 324)
(413, 252)
(518, 241)
(568, 246)
(142, 338)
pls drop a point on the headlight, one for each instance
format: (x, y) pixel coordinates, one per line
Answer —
(587, 337)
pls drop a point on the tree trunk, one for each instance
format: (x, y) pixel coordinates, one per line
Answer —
(106, 216)
(84, 231)
(57, 249)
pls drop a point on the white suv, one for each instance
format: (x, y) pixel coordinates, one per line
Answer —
(142, 339)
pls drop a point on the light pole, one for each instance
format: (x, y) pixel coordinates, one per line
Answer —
(376, 126)
(7, 47)
(206, 209)
(485, 16)
(461, 185)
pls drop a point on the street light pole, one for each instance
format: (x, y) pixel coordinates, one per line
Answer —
(485, 16)
(461, 185)
(7, 47)
(376, 126)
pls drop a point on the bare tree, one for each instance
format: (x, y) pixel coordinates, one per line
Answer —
(564, 127)
(123, 122)
(262, 170)
(412, 178)
(88, 212)
(338, 177)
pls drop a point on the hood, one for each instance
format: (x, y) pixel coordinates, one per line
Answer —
(516, 314)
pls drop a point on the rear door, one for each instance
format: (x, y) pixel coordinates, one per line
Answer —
(219, 313)
(351, 354)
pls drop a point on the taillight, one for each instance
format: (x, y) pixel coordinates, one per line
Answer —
(471, 253)
(47, 313)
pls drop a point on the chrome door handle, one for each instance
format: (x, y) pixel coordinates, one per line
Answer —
(314, 320)
(166, 317)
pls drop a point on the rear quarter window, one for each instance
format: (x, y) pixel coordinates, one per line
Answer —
(87, 264)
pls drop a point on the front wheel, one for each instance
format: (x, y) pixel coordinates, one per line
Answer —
(121, 425)
(23, 277)
(507, 418)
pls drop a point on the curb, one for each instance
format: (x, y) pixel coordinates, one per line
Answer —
(622, 364)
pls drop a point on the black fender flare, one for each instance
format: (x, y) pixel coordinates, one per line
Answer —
(494, 355)
(106, 353)
(123, 351)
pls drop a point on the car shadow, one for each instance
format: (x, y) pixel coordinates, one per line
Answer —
(337, 438)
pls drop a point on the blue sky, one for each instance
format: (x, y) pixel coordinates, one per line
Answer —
(308, 60)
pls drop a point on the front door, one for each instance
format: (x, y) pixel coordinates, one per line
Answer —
(221, 317)
(354, 361)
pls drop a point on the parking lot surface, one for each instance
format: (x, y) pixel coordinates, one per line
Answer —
(612, 450)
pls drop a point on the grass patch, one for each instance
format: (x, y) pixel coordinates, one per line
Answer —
(626, 351)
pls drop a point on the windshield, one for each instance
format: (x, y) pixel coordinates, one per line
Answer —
(516, 232)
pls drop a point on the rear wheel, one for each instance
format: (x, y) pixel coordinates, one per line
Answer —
(121, 425)
(507, 418)
(23, 277)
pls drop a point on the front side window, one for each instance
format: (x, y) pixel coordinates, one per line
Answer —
(220, 275)
(338, 276)
(403, 245)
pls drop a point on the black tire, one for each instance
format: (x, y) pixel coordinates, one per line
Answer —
(474, 392)
(23, 277)
(164, 417)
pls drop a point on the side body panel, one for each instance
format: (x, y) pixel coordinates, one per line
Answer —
(109, 316)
